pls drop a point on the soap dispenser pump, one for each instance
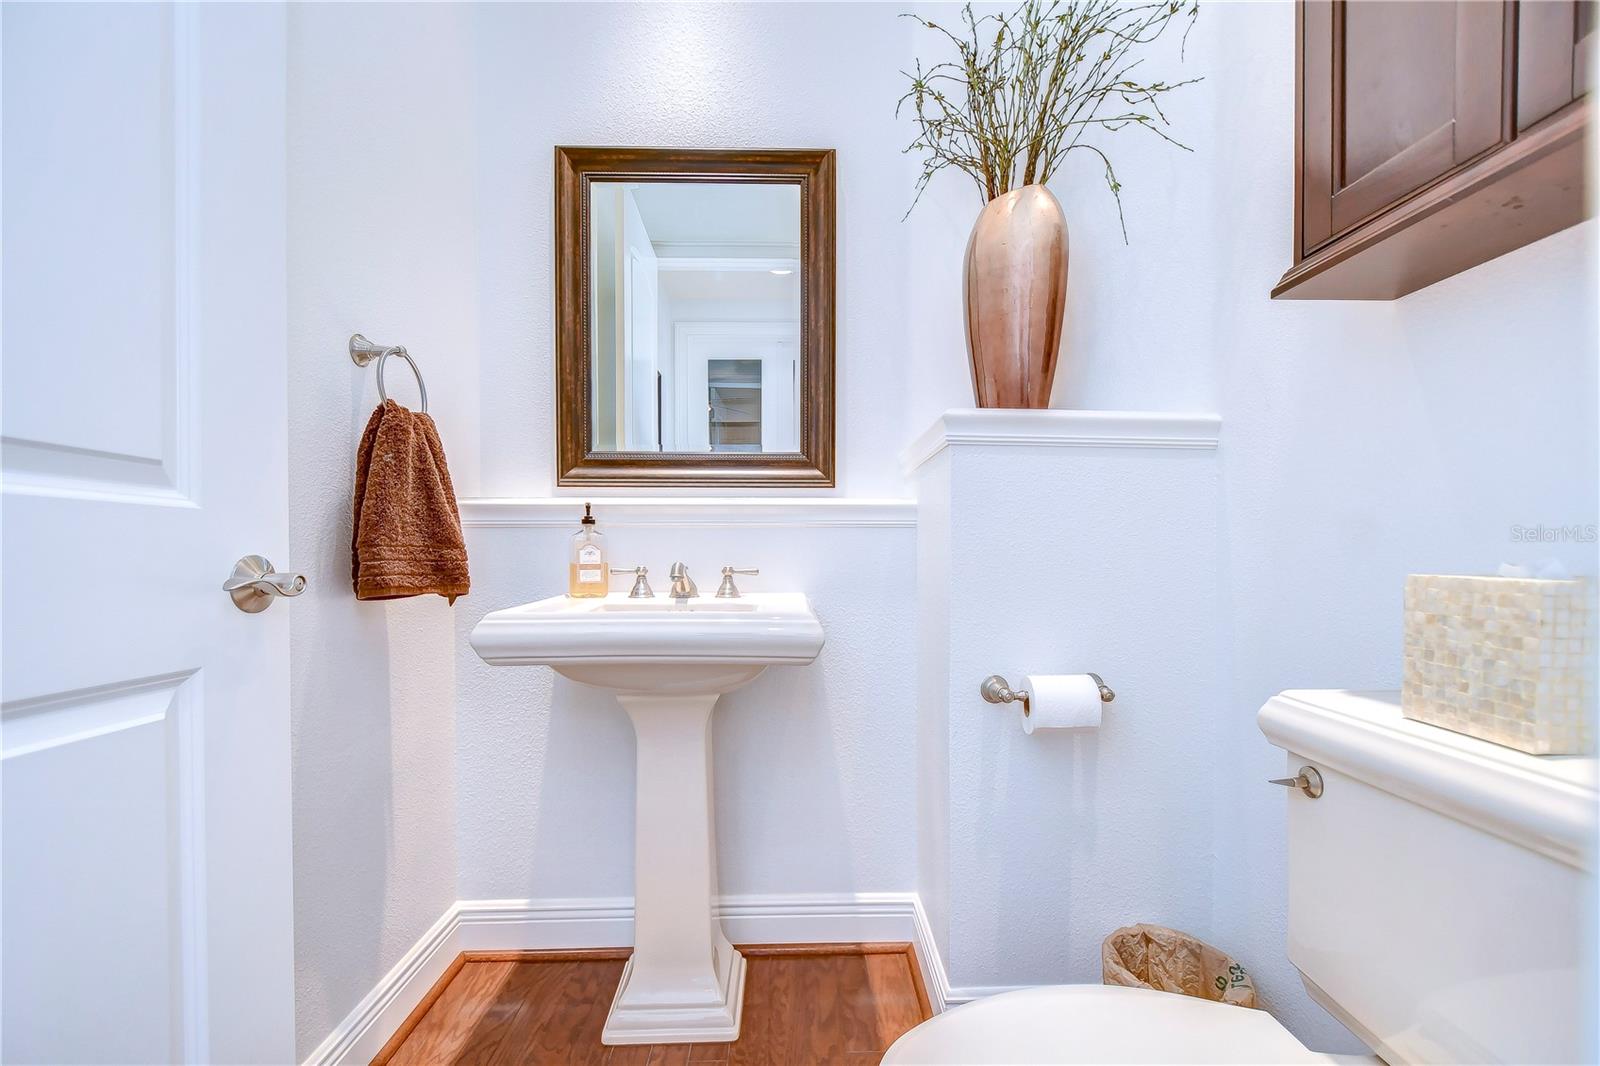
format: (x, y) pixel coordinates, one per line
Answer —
(587, 572)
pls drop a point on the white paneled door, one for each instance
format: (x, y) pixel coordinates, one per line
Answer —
(144, 744)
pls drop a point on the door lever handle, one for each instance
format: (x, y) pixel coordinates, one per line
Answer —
(254, 584)
(1308, 781)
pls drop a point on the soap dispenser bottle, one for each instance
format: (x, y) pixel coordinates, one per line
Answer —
(588, 573)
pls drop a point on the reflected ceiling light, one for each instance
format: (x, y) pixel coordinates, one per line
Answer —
(780, 272)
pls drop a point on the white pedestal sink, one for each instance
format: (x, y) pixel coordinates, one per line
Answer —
(667, 662)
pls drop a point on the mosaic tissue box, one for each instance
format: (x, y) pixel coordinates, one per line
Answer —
(1501, 658)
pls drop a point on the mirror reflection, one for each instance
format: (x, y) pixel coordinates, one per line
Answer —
(695, 316)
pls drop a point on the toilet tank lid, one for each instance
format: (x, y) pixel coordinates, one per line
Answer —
(1543, 802)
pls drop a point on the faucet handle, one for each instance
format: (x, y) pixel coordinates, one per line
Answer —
(641, 585)
(728, 590)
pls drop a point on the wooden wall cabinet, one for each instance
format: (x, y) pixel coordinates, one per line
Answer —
(1433, 136)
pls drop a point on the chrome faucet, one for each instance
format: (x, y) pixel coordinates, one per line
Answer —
(728, 590)
(683, 587)
(641, 582)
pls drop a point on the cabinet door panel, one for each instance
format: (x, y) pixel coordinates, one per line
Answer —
(1316, 124)
(1583, 50)
(1396, 94)
(1398, 91)
(1434, 135)
(1552, 57)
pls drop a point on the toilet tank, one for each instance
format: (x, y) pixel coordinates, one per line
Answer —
(1441, 888)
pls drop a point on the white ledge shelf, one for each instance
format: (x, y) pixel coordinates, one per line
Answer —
(1062, 429)
(689, 512)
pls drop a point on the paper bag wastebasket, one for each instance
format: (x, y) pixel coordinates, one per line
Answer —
(1152, 956)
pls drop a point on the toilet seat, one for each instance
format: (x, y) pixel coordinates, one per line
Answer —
(1099, 1024)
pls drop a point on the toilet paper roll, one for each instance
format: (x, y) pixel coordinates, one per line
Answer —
(1062, 701)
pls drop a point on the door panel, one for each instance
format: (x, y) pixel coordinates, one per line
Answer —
(100, 782)
(147, 912)
(90, 263)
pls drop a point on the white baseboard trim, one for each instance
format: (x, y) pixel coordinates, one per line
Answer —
(967, 993)
(365, 1030)
(544, 924)
(551, 924)
(935, 979)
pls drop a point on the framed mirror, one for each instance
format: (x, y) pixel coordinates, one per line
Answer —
(694, 316)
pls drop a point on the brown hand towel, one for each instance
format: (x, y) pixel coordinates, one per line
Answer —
(407, 539)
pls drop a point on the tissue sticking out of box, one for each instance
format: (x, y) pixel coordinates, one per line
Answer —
(1543, 569)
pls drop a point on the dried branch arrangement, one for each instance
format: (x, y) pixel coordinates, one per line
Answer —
(1024, 88)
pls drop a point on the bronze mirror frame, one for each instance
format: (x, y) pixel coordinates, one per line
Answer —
(577, 463)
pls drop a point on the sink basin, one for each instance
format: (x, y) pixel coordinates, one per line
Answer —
(657, 645)
(667, 661)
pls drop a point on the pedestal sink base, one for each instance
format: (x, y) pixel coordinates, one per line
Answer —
(684, 983)
(667, 662)
(643, 1015)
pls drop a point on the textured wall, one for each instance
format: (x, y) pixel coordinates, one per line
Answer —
(1136, 335)
(1361, 441)
(813, 769)
(420, 163)
(380, 198)
(793, 75)
(548, 763)
(1055, 839)
(932, 483)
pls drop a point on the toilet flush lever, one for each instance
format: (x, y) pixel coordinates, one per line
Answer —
(1308, 781)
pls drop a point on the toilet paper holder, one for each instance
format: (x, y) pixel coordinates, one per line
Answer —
(996, 689)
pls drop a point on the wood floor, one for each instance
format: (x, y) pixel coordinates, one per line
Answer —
(804, 1004)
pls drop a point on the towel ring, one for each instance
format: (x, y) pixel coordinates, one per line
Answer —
(363, 351)
(412, 363)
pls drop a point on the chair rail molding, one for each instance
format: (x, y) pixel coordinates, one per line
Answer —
(690, 512)
(991, 427)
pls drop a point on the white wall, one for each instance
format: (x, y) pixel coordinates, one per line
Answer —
(813, 767)
(1049, 557)
(1139, 314)
(1365, 442)
(380, 241)
(693, 75)
(420, 173)
(1360, 442)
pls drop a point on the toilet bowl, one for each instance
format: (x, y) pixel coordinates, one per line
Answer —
(1101, 1024)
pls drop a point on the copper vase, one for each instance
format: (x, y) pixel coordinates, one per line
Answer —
(1016, 282)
